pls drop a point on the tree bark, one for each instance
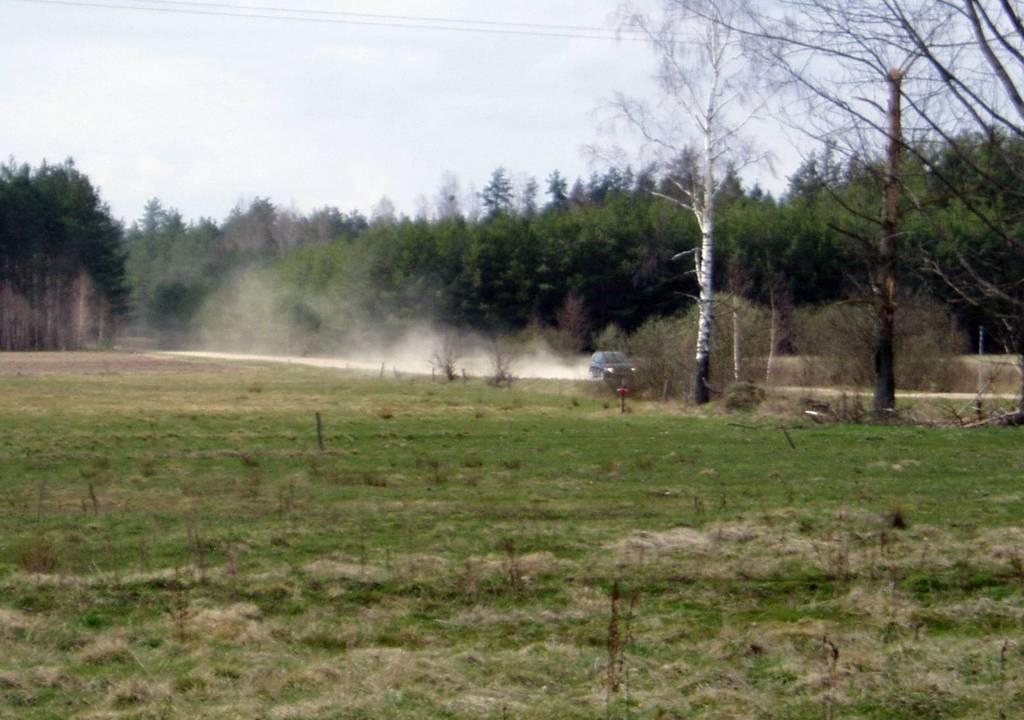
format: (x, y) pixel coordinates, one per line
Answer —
(702, 375)
(884, 282)
(1020, 370)
(706, 209)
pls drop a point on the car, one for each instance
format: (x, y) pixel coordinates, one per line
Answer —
(612, 366)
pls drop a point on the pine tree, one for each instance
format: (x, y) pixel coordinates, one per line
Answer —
(497, 195)
(558, 190)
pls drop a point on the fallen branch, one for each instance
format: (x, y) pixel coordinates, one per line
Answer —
(1010, 419)
(785, 431)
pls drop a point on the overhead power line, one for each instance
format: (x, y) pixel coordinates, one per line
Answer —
(405, 22)
(390, 18)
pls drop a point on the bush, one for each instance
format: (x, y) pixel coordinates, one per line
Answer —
(662, 357)
(664, 348)
(611, 338)
(836, 345)
(743, 396)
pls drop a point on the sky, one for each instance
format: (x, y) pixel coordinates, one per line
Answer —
(206, 112)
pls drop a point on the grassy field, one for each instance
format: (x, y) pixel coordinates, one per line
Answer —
(174, 544)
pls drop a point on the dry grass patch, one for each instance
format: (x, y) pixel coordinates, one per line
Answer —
(239, 622)
(486, 702)
(726, 695)
(640, 545)
(105, 651)
(179, 573)
(376, 670)
(13, 624)
(1005, 543)
(341, 568)
(524, 567)
(881, 604)
(10, 680)
(49, 676)
(850, 545)
(304, 710)
(419, 566)
(134, 692)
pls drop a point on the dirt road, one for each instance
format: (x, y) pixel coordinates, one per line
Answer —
(538, 365)
(540, 368)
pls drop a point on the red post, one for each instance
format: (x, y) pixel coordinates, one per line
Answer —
(622, 391)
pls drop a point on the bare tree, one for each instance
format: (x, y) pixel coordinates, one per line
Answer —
(852, 68)
(383, 212)
(697, 128)
(471, 203)
(573, 322)
(286, 230)
(504, 354)
(779, 305)
(422, 213)
(448, 203)
(978, 58)
(980, 67)
(925, 79)
(737, 287)
(447, 353)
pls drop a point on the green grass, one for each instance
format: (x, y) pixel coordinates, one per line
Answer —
(176, 545)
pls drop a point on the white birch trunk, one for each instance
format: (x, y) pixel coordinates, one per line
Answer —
(704, 209)
(702, 388)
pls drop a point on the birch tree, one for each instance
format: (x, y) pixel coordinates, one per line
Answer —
(705, 104)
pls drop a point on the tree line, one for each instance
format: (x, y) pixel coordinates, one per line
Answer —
(591, 254)
(62, 275)
(599, 251)
(587, 257)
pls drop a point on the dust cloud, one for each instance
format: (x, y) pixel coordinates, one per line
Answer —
(424, 351)
(258, 317)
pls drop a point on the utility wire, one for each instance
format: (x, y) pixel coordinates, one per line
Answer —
(287, 16)
(404, 18)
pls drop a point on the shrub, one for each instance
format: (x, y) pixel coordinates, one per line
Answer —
(664, 348)
(503, 355)
(743, 396)
(611, 338)
(662, 358)
(836, 345)
(447, 353)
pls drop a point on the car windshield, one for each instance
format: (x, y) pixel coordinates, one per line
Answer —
(614, 357)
